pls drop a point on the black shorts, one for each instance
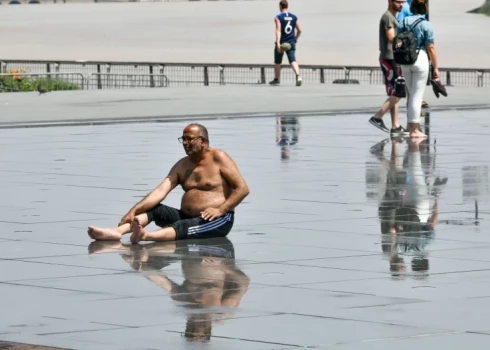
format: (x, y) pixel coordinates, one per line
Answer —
(291, 54)
(190, 227)
(390, 73)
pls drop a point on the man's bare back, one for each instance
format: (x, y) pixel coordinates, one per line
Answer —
(213, 188)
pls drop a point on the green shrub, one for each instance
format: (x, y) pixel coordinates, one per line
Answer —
(28, 83)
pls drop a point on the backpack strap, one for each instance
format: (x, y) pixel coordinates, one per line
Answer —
(416, 23)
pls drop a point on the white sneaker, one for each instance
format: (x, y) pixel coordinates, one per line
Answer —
(299, 81)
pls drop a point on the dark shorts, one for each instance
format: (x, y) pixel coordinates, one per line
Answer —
(291, 54)
(390, 73)
(190, 227)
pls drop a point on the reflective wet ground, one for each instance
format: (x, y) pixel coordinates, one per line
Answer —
(348, 240)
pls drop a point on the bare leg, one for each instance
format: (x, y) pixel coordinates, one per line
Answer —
(395, 157)
(389, 104)
(394, 115)
(163, 248)
(161, 235)
(295, 67)
(384, 108)
(277, 71)
(115, 233)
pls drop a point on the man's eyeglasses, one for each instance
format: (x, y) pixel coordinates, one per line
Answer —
(183, 139)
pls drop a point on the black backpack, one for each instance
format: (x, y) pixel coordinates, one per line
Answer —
(405, 47)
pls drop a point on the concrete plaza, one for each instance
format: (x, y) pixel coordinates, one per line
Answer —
(307, 263)
(312, 260)
(335, 32)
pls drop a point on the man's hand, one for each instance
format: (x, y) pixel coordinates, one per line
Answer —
(436, 74)
(278, 47)
(128, 218)
(211, 214)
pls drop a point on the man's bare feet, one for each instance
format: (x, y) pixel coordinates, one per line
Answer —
(104, 234)
(139, 232)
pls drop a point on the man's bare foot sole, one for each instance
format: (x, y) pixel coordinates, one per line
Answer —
(139, 232)
(104, 234)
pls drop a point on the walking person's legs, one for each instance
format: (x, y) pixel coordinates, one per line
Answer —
(278, 55)
(417, 85)
(294, 64)
(277, 66)
(391, 104)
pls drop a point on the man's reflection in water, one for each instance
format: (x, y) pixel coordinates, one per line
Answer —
(287, 134)
(407, 217)
(211, 278)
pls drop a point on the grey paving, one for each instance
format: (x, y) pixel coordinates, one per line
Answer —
(306, 264)
(110, 106)
(335, 32)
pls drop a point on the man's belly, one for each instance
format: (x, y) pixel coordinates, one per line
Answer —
(195, 201)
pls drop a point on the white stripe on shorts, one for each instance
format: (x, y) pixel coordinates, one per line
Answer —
(210, 225)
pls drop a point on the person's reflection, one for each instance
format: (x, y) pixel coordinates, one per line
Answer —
(287, 134)
(391, 200)
(211, 278)
(407, 217)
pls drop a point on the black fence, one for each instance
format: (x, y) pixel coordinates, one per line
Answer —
(110, 75)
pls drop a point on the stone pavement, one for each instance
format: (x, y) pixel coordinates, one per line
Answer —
(137, 105)
(335, 32)
(309, 263)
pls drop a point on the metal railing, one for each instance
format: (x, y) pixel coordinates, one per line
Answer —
(19, 81)
(121, 81)
(209, 74)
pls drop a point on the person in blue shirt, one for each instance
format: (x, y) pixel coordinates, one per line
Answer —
(416, 75)
(288, 31)
(405, 11)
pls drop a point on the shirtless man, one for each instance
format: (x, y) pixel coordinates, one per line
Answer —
(213, 188)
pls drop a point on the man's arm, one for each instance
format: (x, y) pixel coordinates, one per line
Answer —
(229, 171)
(390, 34)
(389, 25)
(278, 32)
(298, 30)
(238, 284)
(231, 174)
(177, 292)
(155, 196)
(431, 49)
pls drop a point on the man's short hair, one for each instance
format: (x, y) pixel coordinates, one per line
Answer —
(203, 132)
(283, 4)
